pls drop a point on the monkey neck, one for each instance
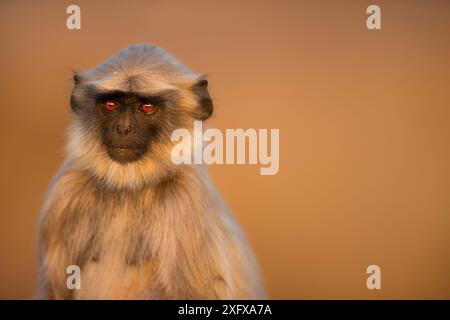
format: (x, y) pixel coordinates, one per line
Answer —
(178, 175)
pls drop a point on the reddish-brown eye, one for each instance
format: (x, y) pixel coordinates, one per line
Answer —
(110, 105)
(147, 108)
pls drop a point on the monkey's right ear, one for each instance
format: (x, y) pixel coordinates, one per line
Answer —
(75, 104)
(76, 78)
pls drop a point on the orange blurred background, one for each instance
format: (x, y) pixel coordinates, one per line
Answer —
(363, 116)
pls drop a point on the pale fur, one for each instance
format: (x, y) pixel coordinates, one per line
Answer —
(147, 229)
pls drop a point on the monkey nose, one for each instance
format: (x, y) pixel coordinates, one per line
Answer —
(123, 130)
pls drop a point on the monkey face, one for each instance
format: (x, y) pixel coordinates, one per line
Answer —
(126, 110)
(129, 124)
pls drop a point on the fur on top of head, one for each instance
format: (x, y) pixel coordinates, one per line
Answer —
(140, 69)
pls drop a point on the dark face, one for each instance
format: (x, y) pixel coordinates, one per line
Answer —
(129, 123)
(132, 125)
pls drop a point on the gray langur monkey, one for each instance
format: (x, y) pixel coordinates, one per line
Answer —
(137, 225)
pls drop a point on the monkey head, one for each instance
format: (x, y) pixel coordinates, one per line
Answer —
(125, 111)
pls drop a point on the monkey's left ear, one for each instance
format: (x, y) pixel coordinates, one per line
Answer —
(205, 105)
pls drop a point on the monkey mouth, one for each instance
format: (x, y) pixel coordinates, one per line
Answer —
(125, 154)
